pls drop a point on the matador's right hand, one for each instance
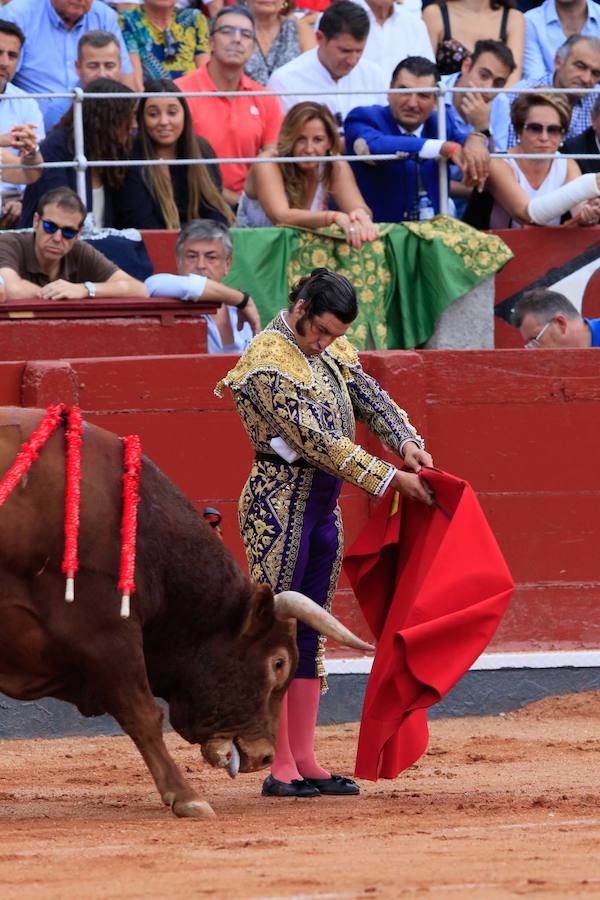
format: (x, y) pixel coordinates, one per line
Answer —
(410, 485)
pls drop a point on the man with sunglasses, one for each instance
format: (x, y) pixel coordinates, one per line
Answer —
(50, 263)
(547, 320)
(237, 126)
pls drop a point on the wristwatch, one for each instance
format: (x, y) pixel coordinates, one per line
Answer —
(90, 288)
(486, 131)
(244, 301)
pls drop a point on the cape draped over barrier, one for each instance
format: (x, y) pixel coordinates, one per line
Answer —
(433, 586)
(404, 280)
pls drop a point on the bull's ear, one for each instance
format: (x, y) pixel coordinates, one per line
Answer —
(260, 616)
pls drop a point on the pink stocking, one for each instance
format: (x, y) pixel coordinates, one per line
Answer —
(284, 767)
(303, 706)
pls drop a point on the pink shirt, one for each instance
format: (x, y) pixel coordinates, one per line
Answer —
(235, 127)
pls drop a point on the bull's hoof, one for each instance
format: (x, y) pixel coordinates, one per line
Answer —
(193, 809)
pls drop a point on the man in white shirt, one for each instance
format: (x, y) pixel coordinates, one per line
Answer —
(14, 110)
(204, 253)
(394, 34)
(335, 65)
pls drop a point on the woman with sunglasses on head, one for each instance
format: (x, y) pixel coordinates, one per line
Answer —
(163, 42)
(300, 193)
(518, 187)
(107, 128)
(164, 196)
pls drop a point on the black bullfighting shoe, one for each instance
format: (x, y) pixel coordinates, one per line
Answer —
(299, 787)
(335, 784)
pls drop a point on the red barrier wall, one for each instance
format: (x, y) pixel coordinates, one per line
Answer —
(519, 426)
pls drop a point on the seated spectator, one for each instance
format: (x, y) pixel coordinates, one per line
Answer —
(540, 122)
(53, 29)
(164, 42)
(278, 39)
(52, 264)
(15, 111)
(577, 65)
(455, 27)
(204, 253)
(547, 319)
(394, 33)
(408, 127)
(335, 64)
(587, 142)
(299, 194)
(489, 66)
(240, 126)
(107, 131)
(548, 27)
(166, 196)
(98, 56)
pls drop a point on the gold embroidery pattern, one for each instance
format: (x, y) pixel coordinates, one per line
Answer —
(366, 268)
(482, 253)
(270, 351)
(270, 512)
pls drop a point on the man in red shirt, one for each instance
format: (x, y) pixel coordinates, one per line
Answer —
(236, 126)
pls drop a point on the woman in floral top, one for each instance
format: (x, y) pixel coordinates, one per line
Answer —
(280, 38)
(164, 42)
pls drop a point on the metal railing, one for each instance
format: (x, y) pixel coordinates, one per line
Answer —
(81, 163)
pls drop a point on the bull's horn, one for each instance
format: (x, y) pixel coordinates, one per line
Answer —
(292, 605)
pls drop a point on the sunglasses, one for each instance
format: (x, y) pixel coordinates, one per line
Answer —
(67, 232)
(171, 46)
(538, 128)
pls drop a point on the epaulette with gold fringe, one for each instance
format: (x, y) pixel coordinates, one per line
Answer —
(269, 352)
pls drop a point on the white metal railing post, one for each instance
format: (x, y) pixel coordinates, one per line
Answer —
(79, 140)
(442, 136)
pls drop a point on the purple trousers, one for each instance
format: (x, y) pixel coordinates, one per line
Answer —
(318, 561)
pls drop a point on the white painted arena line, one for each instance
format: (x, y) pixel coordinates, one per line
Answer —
(543, 659)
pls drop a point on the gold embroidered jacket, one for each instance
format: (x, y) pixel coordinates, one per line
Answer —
(312, 403)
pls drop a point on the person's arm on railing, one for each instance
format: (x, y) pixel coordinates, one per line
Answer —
(120, 284)
(540, 210)
(23, 139)
(193, 287)
(17, 288)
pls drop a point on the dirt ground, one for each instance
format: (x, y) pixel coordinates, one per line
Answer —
(498, 807)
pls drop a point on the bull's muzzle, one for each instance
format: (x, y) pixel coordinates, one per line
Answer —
(239, 755)
(293, 605)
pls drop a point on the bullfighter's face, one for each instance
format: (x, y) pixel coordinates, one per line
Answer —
(315, 333)
(234, 699)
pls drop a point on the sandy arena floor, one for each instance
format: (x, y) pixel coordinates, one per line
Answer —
(499, 807)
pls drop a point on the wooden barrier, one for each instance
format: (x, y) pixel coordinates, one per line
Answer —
(519, 426)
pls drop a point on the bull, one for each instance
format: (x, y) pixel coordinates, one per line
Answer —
(218, 648)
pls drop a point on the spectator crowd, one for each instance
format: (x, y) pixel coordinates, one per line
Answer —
(311, 79)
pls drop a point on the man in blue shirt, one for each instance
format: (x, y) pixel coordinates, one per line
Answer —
(52, 30)
(577, 65)
(402, 190)
(546, 320)
(550, 25)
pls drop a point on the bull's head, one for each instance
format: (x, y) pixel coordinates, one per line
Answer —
(232, 710)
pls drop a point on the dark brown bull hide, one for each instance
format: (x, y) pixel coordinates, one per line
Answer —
(200, 635)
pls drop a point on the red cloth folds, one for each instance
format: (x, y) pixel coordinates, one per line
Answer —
(433, 586)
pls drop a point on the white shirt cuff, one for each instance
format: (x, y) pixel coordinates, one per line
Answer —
(431, 149)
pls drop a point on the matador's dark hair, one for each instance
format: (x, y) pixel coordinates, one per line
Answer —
(325, 291)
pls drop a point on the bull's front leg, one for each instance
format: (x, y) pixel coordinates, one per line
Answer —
(126, 695)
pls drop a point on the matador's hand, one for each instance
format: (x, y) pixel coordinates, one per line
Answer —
(415, 457)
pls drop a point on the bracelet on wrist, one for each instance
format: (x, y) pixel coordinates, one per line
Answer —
(244, 301)
(453, 150)
(480, 134)
(332, 216)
